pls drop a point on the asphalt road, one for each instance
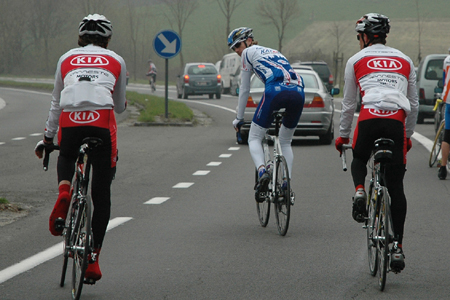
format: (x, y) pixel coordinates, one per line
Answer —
(203, 241)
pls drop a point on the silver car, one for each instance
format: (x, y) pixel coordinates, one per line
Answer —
(318, 111)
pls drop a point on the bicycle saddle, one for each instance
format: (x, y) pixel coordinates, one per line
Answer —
(383, 150)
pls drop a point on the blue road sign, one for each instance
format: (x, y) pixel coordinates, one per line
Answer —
(167, 43)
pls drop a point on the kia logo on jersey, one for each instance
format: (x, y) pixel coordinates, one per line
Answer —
(84, 117)
(382, 113)
(384, 64)
(89, 60)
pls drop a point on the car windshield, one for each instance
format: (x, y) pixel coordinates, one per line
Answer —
(202, 70)
(309, 80)
(322, 70)
(434, 69)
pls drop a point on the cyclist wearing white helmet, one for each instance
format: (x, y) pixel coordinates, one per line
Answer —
(90, 84)
(283, 89)
(442, 172)
(387, 81)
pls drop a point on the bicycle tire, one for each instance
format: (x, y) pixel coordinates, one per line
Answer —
(383, 238)
(282, 200)
(371, 223)
(262, 208)
(81, 247)
(66, 246)
(436, 149)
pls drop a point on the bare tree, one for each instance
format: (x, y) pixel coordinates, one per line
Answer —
(338, 32)
(228, 7)
(420, 29)
(279, 13)
(180, 11)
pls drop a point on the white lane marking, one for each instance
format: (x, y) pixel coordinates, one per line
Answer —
(19, 138)
(49, 253)
(226, 155)
(157, 200)
(214, 164)
(183, 185)
(2, 103)
(37, 134)
(201, 173)
(233, 148)
(2, 143)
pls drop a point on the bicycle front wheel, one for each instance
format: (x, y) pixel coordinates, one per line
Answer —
(282, 200)
(371, 225)
(81, 251)
(383, 237)
(262, 208)
(436, 149)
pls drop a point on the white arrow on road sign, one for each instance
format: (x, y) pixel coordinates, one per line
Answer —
(171, 47)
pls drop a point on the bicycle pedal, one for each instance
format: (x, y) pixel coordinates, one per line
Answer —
(89, 281)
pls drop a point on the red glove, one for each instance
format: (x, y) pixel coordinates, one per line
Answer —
(339, 142)
(408, 144)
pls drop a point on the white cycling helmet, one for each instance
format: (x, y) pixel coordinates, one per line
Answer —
(238, 35)
(373, 24)
(95, 24)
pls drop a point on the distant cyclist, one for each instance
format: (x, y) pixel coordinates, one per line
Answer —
(152, 71)
(389, 109)
(442, 173)
(283, 89)
(90, 84)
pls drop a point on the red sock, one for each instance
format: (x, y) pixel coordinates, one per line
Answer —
(360, 187)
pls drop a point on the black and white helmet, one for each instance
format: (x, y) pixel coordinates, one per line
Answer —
(239, 35)
(373, 24)
(95, 24)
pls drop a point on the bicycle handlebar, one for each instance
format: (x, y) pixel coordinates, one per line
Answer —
(344, 158)
(48, 149)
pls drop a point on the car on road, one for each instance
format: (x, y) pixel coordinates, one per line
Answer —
(323, 70)
(199, 79)
(318, 110)
(429, 73)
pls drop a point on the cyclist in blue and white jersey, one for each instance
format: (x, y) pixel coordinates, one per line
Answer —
(283, 89)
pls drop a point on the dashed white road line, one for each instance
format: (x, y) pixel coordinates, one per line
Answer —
(201, 173)
(214, 164)
(19, 138)
(226, 155)
(50, 253)
(157, 200)
(183, 185)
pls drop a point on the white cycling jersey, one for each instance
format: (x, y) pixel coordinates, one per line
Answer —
(106, 90)
(269, 65)
(446, 90)
(387, 81)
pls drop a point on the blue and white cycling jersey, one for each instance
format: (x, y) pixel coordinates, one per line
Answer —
(276, 73)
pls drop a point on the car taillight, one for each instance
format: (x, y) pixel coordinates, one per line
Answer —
(250, 102)
(331, 79)
(219, 78)
(316, 102)
(186, 78)
(421, 93)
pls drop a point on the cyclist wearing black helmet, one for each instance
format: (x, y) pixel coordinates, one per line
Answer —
(387, 81)
(283, 89)
(90, 84)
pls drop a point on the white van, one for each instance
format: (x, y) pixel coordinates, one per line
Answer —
(429, 73)
(229, 67)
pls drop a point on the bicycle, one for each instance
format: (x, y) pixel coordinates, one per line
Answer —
(378, 223)
(77, 232)
(279, 189)
(152, 81)
(436, 149)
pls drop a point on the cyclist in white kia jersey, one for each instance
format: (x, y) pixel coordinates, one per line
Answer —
(90, 84)
(283, 89)
(387, 81)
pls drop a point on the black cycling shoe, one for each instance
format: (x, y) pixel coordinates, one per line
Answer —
(262, 187)
(359, 206)
(397, 260)
(442, 173)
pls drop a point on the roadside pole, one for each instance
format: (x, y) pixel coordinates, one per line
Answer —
(167, 44)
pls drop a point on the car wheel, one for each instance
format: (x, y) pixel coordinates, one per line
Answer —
(420, 118)
(328, 137)
(218, 96)
(185, 95)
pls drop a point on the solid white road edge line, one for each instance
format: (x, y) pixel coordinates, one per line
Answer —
(50, 253)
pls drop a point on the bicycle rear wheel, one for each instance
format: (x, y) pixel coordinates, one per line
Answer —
(262, 208)
(383, 238)
(371, 225)
(282, 200)
(82, 246)
(436, 149)
(67, 244)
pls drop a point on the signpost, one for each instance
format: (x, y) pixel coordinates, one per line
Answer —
(167, 44)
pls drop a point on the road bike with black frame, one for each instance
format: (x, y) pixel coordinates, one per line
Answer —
(378, 223)
(435, 154)
(279, 188)
(77, 232)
